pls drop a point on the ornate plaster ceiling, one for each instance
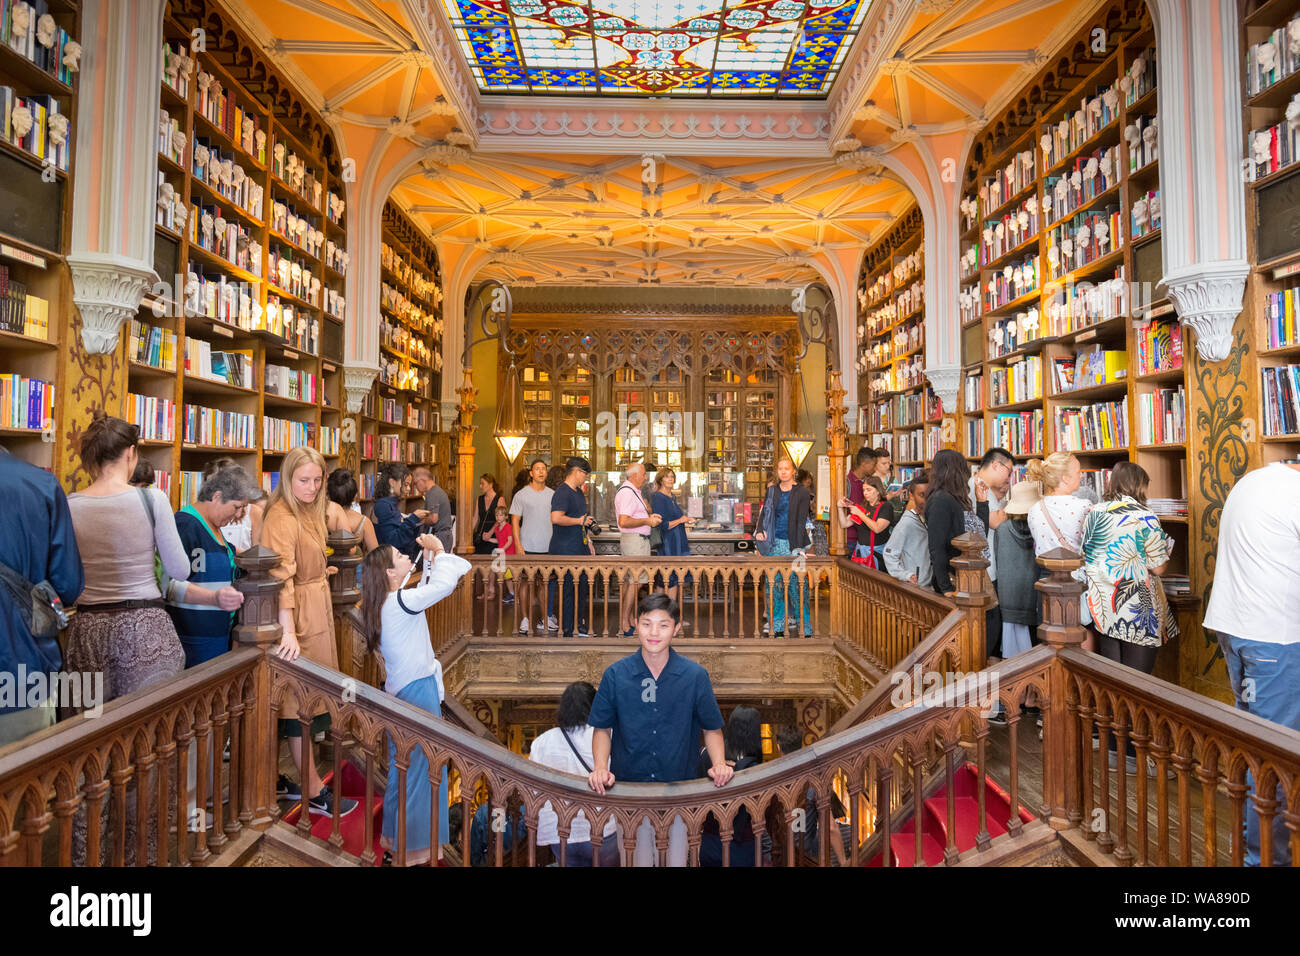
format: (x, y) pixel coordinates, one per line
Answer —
(653, 219)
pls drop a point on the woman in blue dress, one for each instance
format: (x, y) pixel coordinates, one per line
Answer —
(394, 623)
(673, 527)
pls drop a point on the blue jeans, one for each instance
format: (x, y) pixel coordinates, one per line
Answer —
(566, 625)
(1266, 682)
(777, 595)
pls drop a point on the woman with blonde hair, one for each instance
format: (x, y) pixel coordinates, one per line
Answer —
(294, 527)
(1056, 519)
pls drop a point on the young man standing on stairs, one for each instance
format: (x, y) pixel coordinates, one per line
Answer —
(634, 525)
(647, 718)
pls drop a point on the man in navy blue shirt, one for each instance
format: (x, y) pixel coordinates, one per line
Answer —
(569, 522)
(653, 704)
(38, 542)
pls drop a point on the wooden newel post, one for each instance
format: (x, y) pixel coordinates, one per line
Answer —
(466, 494)
(837, 447)
(1060, 629)
(259, 624)
(974, 595)
(344, 593)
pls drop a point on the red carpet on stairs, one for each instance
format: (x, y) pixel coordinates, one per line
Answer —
(351, 827)
(934, 820)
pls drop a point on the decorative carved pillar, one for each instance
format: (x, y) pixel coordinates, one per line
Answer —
(838, 434)
(259, 624)
(974, 595)
(1206, 254)
(1060, 629)
(464, 433)
(344, 594)
(113, 201)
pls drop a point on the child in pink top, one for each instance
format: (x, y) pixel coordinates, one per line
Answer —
(505, 545)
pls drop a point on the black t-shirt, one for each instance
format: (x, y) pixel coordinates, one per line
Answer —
(567, 538)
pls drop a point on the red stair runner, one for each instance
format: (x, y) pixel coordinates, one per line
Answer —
(353, 826)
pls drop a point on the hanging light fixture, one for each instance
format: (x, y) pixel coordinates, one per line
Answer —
(510, 433)
(797, 447)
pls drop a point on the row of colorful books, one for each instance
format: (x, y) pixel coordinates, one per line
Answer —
(220, 109)
(28, 122)
(1280, 309)
(1281, 400)
(1271, 148)
(1021, 433)
(1160, 347)
(292, 383)
(1095, 427)
(1162, 417)
(152, 345)
(21, 312)
(1272, 59)
(279, 435)
(25, 402)
(1021, 382)
(155, 417)
(1088, 368)
(232, 366)
(212, 426)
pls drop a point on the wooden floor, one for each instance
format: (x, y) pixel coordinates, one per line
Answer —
(1030, 758)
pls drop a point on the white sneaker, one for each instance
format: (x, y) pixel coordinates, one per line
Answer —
(523, 626)
(552, 624)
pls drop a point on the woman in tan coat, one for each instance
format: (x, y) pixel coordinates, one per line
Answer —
(294, 527)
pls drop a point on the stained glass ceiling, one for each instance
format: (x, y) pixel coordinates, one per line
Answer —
(720, 48)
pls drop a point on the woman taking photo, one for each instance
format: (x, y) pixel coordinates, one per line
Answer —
(950, 513)
(391, 526)
(393, 623)
(673, 542)
(294, 528)
(783, 529)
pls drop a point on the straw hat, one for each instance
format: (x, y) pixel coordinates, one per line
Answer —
(1023, 496)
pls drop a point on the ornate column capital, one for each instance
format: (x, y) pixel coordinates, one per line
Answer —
(1208, 297)
(357, 379)
(107, 289)
(945, 380)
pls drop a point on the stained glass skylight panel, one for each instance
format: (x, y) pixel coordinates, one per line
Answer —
(759, 48)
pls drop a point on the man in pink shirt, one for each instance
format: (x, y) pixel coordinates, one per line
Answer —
(634, 524)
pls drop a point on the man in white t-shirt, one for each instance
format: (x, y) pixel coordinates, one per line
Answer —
(1255, 610)
(567, 747)
(634, 524)
(530, 517)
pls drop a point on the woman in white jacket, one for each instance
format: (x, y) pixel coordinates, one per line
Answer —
(393, 623)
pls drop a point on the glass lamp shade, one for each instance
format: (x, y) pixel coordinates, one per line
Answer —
(797, 447)
(511, 444)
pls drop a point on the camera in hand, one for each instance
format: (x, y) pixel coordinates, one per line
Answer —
(594, 528)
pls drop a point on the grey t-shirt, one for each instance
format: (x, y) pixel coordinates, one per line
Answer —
(437, 502)
(534, 510)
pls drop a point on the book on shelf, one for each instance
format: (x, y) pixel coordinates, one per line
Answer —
(279, 435)
(1159, 347)
(1280, 310)
(291, 383)
(1271, 148)
(1176, 585)
(270, 479)
(1096, 480)
(234, 366)
(1021, 382)
(21, 312)
(1099, 367)
(25, 402)
(975, 446)
(1167, 506)
(212, 426)
(155, 417)
(190, 482)
(1021, 433)
(162, 480)
(1272, 59)
(152, 345)
(1100, 426)
(1281, 400)
(1162, 417)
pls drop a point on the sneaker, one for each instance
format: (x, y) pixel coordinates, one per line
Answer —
(582, 631)
(776, 633)
(523, 627)
(766, 629)
(286, 789)
(323, 803)
(508, 599)
(999, 719)
(552, 623)
(629, 632)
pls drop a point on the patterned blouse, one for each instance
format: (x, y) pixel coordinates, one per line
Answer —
(1122, 542)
